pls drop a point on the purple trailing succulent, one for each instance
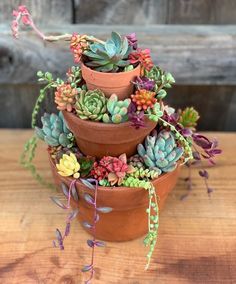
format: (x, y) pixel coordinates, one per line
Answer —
(69, 193)
(91, 184)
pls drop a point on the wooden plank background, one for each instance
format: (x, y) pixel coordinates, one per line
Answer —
(126, 12)
(202, 58)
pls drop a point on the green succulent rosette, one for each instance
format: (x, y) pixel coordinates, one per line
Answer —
(91, 105)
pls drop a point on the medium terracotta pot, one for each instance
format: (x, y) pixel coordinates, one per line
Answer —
(128, 219)
(110, 83)
(99, 139)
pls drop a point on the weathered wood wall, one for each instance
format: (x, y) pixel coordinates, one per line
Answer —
(202, 58)
(126, 12)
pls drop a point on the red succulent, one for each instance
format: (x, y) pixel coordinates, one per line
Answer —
(143, 56)
(112, 168)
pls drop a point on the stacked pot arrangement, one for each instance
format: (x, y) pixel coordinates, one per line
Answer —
(115, 148)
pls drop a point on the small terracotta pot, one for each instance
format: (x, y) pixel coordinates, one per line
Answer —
(128, 219)
(110, 83)
(99, 139)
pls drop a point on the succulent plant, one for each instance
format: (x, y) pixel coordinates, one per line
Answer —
(144, 99)
(68, 166)
(108, 57)
(189, 117)
(104, 182)
(74, 76)
(160, 151)
(112, 168)
(130, 181)
(162, 80)
(155, 113)
(143, 173)
(144, 83)
(55, 131)
(132, 40)
(143, 57)
(86, 165)
(136, 161)
(91, 105)
(78, 45)
(118, 110)
(65, 97)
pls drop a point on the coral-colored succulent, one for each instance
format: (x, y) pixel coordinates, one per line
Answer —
(65, 97)
(144, 99)
(78, 45)
(112, 168)
(143, 56)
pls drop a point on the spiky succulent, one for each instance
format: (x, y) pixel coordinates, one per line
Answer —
(117, 110)
(91, 104)
(160, 151)
(108, 57)
(189, 117)
(55, 131)
(162, 80)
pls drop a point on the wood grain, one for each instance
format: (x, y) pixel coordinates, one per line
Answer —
(156, 12)
(43, 11)
(196, 55)
(196, 240)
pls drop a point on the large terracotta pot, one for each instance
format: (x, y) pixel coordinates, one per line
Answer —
(128, 219)
(110, 83)
(106, 139)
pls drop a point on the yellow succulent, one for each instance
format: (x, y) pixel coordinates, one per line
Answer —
(68, 166)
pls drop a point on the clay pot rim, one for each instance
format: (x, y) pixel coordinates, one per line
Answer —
(108, 73)
(104, 125)
(162, 177)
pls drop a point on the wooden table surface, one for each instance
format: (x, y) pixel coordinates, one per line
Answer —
(197, 236)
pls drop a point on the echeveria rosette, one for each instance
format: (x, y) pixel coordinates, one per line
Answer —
(55, 131)
(68, 166)
(110, 56)
(114, 169)
(91, 105)
(160, 151)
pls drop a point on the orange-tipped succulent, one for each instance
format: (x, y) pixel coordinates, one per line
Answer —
(65, 97)
(144, 99)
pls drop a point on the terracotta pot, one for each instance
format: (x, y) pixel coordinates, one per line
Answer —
(128, 219)
(110, 83)
(106, 139)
